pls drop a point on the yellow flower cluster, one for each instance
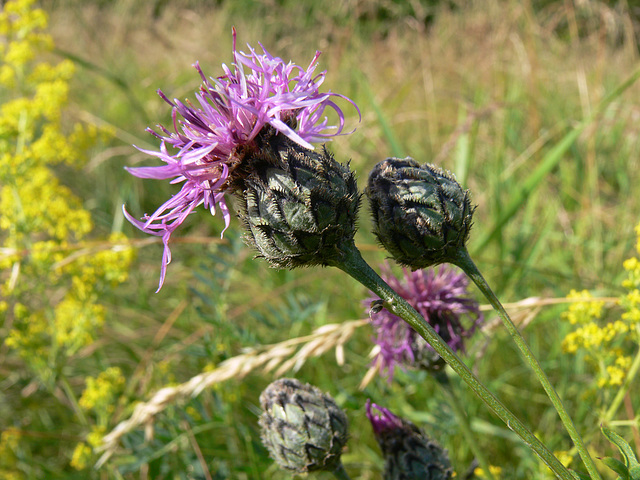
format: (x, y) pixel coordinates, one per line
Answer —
(593, 336)
(51, 274)
(53, 267)
(598, 340)
(9, 443)
(564, 456)
(82, 454)
(22, 25)
(495, 471)
(102, 391)
(30, 337)
(76, 321)
(631, 301)
(582, 311)
(603, 341)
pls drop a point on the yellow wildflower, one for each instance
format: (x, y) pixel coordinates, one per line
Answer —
(29, 335)
(76, 322)
(9, 444)
(601, 340)
(102, 391)
(495, 471)
(81, 456)
(19, 53)
(51, 274)
(565, 458)
(582, 312)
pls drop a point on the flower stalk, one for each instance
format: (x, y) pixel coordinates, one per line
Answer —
(624, 389)
(463, 260)
(340, 473)
(463, 422)
(354, 265)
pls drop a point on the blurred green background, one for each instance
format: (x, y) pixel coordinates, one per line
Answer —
(518, 99)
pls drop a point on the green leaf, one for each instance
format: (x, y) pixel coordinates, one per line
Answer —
(551, 159)
(630, 459)
(580, 476)
(618, 467)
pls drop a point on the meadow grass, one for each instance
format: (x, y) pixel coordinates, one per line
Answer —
(511, 96)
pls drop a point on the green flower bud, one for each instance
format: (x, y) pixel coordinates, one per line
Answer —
(303, 428)
(298, 206)
(409, 454)
(421, 214)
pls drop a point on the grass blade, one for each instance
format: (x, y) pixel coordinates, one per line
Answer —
(549, 162)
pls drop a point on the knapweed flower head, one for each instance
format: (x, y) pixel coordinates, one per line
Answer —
(408, 453)
(299, 207)
(421, 214)
(440, 295)
(213, 140)
(302, 427)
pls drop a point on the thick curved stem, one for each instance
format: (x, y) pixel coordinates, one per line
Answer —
(353, 264)
(340, 473)
(465, 262)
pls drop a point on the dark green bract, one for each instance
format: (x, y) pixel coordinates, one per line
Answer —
(299, 206)
(410, 455)
(421, 214)
(303, 428)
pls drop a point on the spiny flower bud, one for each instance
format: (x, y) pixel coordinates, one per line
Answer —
(298, 205)
(421, 214)
(303, 428)
(409, 453)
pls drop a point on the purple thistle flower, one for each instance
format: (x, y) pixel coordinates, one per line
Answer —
(408, 453)
(440, 296)
(383, 422)
(215, 137)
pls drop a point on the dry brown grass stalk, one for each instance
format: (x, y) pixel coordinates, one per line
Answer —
(282, 356)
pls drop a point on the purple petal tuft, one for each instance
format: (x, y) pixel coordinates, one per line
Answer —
(440, 296)
(384, 420)
(230, 112)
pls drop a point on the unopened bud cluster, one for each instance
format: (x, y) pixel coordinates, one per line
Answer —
(302, 427)
(421, 214)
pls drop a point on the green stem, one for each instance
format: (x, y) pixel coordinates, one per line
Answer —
(617, 400)
(340, 473)
(464, 261)
(354, 265)
(463, 422)
(74, 401)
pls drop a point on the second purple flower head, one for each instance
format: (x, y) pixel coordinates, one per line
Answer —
(212, 140)
(440, 295)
